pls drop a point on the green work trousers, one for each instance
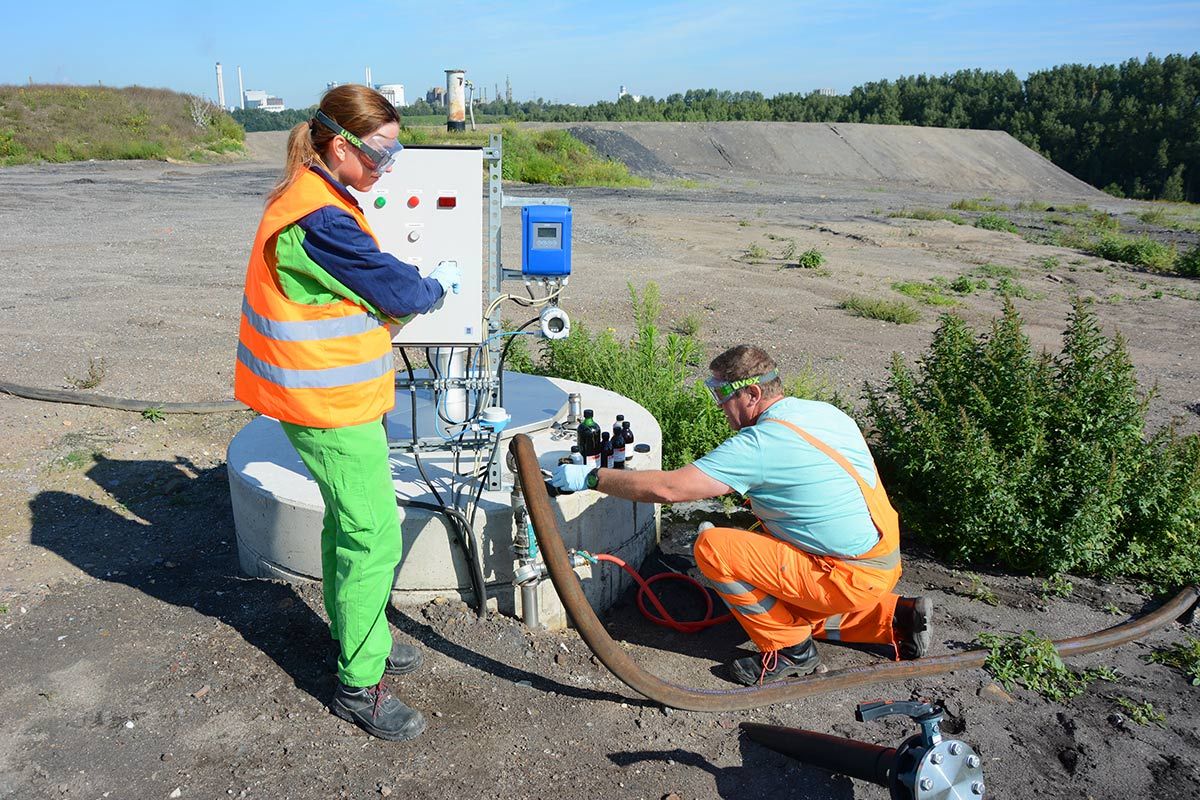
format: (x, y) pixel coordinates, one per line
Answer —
(360, 540)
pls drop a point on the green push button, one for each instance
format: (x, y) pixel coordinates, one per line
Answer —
(380, 202)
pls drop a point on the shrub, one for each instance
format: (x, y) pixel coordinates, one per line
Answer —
(656, 371)
(995, 222)
(1188, 264)
(557, 158)
(896, 311)
(999, 455)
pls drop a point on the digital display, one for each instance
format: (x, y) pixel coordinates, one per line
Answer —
(547, 236)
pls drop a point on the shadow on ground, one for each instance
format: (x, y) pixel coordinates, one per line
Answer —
(762, 773)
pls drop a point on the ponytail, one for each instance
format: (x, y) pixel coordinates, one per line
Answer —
(301, 154)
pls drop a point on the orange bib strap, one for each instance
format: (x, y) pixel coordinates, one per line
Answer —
(885, 518)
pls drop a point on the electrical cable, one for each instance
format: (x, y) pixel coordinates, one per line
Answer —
(457, 519)
(504, 355)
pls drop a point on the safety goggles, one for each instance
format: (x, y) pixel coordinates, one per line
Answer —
(380, 152)
(723, 390)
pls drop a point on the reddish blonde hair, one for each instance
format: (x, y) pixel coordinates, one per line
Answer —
(358, 109)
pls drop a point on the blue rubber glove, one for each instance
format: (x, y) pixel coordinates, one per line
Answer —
(571, 477)
(448, 275)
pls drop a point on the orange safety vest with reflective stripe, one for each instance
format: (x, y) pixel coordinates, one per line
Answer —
(885, 555)
(323, 366)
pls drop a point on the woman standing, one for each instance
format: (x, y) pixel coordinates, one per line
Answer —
(315, 353)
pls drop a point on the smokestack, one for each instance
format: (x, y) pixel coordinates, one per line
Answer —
(241, 90)
(220, 87)
(456, 105)
(369, 78)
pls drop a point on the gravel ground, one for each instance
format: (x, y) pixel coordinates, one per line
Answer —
(139, 664)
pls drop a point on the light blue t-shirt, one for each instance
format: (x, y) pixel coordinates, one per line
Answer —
(801, 495)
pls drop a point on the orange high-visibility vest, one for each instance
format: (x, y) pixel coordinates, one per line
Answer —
(324, 366)
(885, 555)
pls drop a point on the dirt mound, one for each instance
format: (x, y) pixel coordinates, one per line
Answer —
(929, 157)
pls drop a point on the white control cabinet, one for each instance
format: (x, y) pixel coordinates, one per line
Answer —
(429, 208)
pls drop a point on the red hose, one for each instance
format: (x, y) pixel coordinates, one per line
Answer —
(663, 618)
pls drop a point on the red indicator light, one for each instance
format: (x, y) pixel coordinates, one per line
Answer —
(447, 202)
(414, 201)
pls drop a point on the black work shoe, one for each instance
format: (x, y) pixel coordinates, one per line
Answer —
(403, 659)
(910, 626)
(374, 710)
(773, 665)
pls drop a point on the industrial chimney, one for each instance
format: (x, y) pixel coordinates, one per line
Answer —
(241, 91)
(220, 87)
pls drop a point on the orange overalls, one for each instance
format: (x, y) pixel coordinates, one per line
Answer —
(782, 595)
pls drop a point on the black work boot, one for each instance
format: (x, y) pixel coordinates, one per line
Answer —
(910, 626)
(773, 665)
(403, 659)
(374, 710)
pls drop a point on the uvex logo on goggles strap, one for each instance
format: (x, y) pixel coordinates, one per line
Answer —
(723, 390)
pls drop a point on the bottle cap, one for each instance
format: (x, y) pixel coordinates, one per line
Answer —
(641, 448)
(574, 448)
(604, 435)
(620, 417)
(587, 412)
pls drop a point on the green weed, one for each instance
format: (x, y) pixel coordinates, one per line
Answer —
(1031, 661)
(1049, 263)
(1057, 585)
(153, 414)
(896, 311)
(1184, 657)
(96, 369)
(743, 223)
(1142, 713)
(756, 252)
(978, 590)
(965, 284)
(978, 204)
(930, 294)
(810, 259)
(995, 222)
(689, 325)
(76, 459)
(927, 214)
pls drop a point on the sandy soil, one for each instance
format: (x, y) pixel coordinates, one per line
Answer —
(137, 660)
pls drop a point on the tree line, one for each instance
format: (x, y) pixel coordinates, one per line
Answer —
(1132, 129)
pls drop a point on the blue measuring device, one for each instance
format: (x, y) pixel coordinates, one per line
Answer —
(545, 241)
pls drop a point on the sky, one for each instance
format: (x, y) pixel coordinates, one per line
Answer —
(570, 52)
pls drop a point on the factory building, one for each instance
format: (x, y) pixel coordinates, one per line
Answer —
(255, 98)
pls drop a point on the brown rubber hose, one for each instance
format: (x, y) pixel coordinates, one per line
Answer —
(118, 403)
(613, 656)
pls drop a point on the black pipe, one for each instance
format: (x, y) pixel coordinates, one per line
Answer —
(867, 762)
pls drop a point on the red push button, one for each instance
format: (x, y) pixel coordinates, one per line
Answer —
(447, 202)
(414, 201)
